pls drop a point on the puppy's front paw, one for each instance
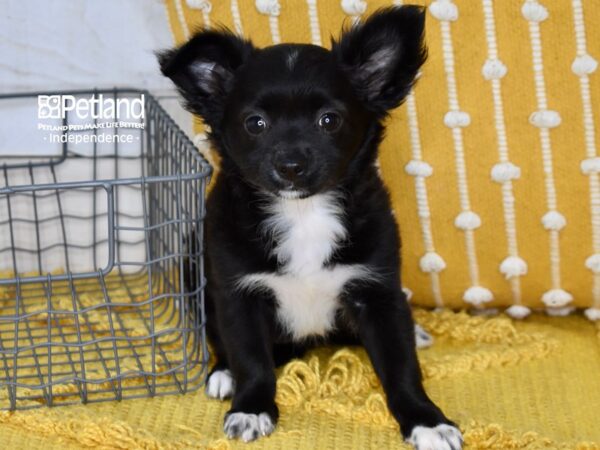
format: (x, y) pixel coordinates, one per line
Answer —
(422, 337)
(220, 384)
(440, 437)
(248, 427)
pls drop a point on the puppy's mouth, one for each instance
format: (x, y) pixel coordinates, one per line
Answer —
(288, 189)
(292, 194)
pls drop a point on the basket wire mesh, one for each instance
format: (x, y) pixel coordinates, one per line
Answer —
(94, 247)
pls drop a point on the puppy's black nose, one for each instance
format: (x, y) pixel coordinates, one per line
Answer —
(291, 164)
(290, 170)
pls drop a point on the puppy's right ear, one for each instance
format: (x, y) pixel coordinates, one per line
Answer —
(203, 70)
(382, 56)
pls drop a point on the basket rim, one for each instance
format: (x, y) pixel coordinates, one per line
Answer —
(206, 171)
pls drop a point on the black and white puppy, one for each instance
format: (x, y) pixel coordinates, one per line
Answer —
(301, 243)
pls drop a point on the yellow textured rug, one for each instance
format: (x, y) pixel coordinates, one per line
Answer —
(532, 384)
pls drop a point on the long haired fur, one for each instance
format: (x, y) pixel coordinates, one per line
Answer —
(301, 244)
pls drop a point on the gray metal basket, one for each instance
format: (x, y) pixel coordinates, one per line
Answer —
(95, 242)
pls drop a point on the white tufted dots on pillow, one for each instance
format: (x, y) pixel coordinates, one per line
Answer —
(467, 220)
(513, 266)
(590, 165)
(584, 65)
(593, 263)
(505, 171)
(477, 295)
(203, 5)
(560, 312)
(354, 7)
(454, 119)
(493, 69)
(431, 262)
(592, 313)
(518, 311)
(268, 7)
(534, 12)
(553, 220)
(556, 298)
(545, 119)
(418, 168)
(444, 10)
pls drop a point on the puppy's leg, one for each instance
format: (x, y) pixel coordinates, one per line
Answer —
(284, 353)
(247, 338)
(386, 330)
(220, 383)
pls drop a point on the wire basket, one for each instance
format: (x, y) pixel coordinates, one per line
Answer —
(95, 240)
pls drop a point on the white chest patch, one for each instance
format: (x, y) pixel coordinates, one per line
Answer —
(306, 232)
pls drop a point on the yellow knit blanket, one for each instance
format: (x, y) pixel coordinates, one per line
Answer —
(527, 385)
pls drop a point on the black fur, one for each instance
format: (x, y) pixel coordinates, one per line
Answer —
(226, 81)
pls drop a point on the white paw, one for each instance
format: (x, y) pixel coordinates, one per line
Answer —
(248, 426)
(440, 437)
(423, 338)
(220, 384)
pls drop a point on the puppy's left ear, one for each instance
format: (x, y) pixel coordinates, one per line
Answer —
(382, 56)
(203, 70)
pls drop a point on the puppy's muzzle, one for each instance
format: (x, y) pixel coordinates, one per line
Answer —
(291, 167)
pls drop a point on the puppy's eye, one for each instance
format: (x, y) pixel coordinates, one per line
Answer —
(330, 122)
(255, 125)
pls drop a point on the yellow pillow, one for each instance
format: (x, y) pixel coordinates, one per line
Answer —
(492, 163)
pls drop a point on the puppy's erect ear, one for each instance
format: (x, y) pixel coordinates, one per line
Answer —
(203, 69)
(382, 56)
